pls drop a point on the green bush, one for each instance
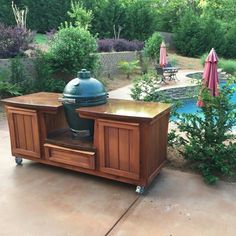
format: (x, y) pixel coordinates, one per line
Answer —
(146, 88)
(203, 58)
(229, 66)
(45, 80)
(141, 20)
(206, 140)
(152, 47)
(7, 88)
(195, 35)
(81, 16)
(230, 38)
(137, 18)
(6, 14)
(128, 67)
(188, 34)
(71, 50)
(45, 15)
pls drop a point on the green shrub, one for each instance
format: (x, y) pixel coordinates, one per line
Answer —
(128, 67)
(203, 58)
(141, 20)
(45, 80)
(195, 35)
(230, 38)
(19, 76)
(7, 88)
(187, 35)
(6, 14)
(152, 47)
(81, 16)
(71, 50)
(229, 66)
(207, 139)
(146, 88)
(45, 15)
(137, 18)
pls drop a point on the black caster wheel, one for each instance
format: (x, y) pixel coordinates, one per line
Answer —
(140, 190)
(18, 160)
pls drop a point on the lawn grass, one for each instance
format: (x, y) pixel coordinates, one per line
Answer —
(40, 39)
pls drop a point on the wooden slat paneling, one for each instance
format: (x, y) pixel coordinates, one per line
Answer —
(21, 130)
(134, 151)
(24, 132)
(119, 148)
(124, 149)
(29, 133)
(113, 147)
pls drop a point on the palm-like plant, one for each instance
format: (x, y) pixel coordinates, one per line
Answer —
(128, 67)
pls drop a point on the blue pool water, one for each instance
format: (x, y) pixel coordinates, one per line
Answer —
(189, 105)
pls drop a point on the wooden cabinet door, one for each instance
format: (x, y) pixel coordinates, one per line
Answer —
(24, 132)
(119, 148)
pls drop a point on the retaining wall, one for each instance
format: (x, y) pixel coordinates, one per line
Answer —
(181, 92)
(108, 61)
(28, 63)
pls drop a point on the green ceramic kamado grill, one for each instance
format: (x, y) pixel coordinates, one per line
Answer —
(82, 91)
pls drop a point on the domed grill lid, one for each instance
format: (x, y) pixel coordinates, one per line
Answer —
(85, 91)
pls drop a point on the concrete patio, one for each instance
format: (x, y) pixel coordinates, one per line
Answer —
(43, 200)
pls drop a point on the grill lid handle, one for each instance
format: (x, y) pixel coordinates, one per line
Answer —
(67, 100)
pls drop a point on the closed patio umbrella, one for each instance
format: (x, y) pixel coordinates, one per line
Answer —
(163, 60)
(210, 75)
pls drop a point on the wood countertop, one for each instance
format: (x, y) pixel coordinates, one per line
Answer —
(125, 109)
(114, 108)
(42, 100)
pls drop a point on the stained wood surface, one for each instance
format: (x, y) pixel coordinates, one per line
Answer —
(129, 143)
(24, 131)
(118, 148)
(40, 100)
(125, 109)
(64, 137)
(70, 156)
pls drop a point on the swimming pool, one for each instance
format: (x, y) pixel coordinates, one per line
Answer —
(189, 105)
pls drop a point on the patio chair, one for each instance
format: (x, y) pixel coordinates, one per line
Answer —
(170, 72)
(160, 72)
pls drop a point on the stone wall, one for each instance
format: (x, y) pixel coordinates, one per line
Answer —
(181, 92)
(28, 63)
(109, 61)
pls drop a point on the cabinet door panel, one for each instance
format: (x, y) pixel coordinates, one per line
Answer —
(119, 148)
(24, 132)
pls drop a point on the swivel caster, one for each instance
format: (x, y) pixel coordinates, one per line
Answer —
(18, 160)
(140, 189)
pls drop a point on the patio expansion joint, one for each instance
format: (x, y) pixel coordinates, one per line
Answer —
(122, 216)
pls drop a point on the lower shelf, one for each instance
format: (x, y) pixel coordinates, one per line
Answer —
(64, 138)
(70, 156)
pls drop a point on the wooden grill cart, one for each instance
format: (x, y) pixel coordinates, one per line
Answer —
(129, 142)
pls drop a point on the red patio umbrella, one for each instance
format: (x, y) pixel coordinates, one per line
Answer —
(210, 75)
(163, 60)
